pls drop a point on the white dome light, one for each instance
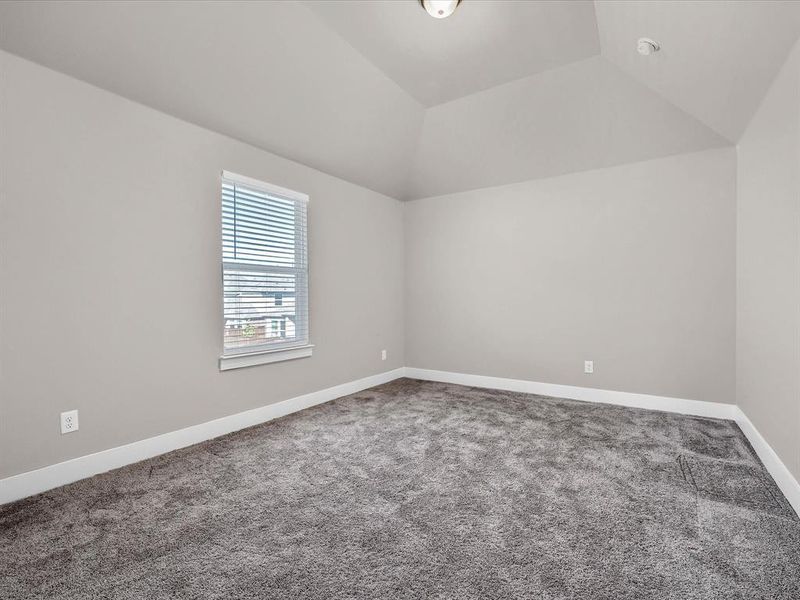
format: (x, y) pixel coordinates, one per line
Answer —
(440, 9)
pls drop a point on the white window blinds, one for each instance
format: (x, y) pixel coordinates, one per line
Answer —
(264, 266)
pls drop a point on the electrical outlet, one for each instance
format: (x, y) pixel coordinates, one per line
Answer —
(69, 421)
(588, 366)
(383, 354)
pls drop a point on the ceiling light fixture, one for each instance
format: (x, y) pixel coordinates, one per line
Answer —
(439, 9)
(646, 46)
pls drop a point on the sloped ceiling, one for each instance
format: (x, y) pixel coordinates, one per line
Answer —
(483, 44)
(380, 94)
(717, 58)
(583, 116)
(266, 73)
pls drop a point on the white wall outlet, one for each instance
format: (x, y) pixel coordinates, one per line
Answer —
(383, 354)
(588, 366)
(69, 421)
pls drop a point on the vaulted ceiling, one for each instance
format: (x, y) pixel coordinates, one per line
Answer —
(483, 45)
(381, 94)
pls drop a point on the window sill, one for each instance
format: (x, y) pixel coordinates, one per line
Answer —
(238, 361)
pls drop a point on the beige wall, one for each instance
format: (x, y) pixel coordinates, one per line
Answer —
(768, 265)
(110, 217)
(632, 267)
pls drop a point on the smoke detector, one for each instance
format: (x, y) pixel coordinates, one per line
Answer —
(646, 46)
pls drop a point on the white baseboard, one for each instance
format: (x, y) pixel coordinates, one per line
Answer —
(698, 408)
(46, 478)
(780, 473)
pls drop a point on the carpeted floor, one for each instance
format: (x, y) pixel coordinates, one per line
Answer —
(422, 490)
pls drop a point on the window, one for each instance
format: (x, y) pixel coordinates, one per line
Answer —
(264, 273)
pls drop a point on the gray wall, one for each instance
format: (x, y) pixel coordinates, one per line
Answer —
(768, 264)
(109, 216)
(632, 267)
(110, 271)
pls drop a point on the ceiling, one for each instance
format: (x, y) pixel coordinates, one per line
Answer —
(717, 58)
(586, 115)
(267, 73)
(481, 45)
(381, 94)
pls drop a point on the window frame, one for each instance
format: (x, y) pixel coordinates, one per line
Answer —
(269, 353)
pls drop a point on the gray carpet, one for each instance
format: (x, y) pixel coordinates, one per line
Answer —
(422, 490)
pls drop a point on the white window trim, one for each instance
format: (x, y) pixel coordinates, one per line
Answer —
(270, 355)
(263, 357)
